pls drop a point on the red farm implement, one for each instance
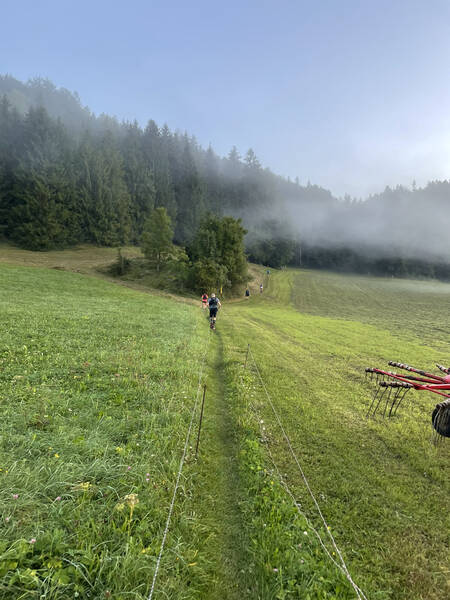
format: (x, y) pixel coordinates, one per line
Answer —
(392, 388)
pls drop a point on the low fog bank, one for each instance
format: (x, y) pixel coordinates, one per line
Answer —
(404, 223)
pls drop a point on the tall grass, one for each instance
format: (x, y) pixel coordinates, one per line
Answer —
(97, 384)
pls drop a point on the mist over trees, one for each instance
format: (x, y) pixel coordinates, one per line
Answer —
(68, 176)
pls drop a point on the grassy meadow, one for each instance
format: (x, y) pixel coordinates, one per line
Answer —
(97, 384)
(381, 484)
(82, 259)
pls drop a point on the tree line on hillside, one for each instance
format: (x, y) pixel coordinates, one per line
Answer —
(100, 185)
(68, 176)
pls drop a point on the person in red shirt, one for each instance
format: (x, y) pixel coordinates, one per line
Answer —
(204, 300)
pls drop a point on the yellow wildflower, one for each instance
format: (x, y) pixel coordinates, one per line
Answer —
(85, 486)
(131, 500)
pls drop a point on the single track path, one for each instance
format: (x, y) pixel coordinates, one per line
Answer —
(218, 487)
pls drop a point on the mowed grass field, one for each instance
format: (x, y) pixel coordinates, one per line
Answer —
(82, 259)
(97, 384)
(382, 486)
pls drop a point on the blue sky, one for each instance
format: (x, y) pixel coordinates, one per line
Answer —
(351, 95)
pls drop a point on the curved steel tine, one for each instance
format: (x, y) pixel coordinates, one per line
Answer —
(380, 399)
(387, 401)
(401, 400)
(375, 394)
(397, 394)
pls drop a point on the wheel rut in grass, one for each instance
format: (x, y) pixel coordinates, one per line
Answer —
(218, 492)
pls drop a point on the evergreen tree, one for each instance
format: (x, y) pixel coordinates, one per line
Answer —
(41, 213)
(189, 196)
(139, 180)
(232, 192)
(157, 238)
(103, 191)
(156, 149)
(251, 161)
(213, 182)
(11, 127)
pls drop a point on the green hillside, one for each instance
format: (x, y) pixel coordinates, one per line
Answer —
(97, 387)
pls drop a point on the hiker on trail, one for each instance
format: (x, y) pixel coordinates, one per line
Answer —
(261, 289)
(247, 293)
(204, 300)
(214, 305)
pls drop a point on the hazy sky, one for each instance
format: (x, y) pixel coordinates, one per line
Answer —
(352, 95)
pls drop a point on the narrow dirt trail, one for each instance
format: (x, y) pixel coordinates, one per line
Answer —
(218, 485)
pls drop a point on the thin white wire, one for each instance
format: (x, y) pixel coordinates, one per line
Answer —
(358, 591)
(289, 491)
(180, 468)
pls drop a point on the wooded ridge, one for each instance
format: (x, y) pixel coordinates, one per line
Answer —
(68, 176)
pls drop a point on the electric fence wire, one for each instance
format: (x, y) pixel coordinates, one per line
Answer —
(290, 493)
(359, 593)
(180, 469)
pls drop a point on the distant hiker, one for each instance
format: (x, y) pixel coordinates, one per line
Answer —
(268, 272)
(247, 293)
(204, 300)
(214, 305)
(261, 289)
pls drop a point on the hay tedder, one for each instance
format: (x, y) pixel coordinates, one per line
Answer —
(391, 389)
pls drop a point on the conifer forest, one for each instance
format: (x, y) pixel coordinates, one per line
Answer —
(68, 176)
